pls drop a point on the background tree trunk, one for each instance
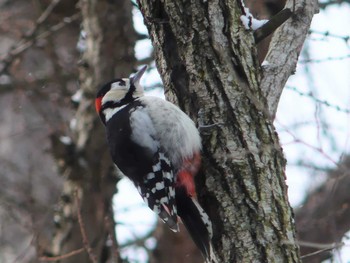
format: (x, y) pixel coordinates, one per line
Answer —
(324, 218)
(90, 182)
(209, 67)
(174, 247)
(37, 78)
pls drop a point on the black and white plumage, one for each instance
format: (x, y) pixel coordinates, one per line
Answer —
(158, 147)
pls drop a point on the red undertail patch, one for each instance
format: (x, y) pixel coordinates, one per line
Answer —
(185, 177)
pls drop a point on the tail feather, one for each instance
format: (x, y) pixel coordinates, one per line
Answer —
(196, 222)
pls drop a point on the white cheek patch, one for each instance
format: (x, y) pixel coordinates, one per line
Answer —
(114, 95)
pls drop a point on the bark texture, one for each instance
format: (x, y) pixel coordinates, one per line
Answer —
(324, 218)
(209, 67)
(85, 163)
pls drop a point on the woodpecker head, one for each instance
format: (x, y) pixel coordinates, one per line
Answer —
(118, 92)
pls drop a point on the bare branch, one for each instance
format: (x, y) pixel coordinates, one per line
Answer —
(333, 2)
(285, 47)
(319, 101)
(47, 12)
(67, 255)
(23, 45)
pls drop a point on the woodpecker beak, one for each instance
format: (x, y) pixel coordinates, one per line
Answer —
(136, 78)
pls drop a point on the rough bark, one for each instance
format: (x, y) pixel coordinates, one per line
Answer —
(285, 47)
(85, 163)
(179, 245)
(324, 218)
(209, 67)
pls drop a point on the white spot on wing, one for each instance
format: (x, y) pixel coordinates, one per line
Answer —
(156, 167)
(168, 176)
(162, 156)
(150, 176)
(159, 186)
(171, 191)
(164, 200)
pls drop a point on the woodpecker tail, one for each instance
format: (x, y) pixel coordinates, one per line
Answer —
(196, 222)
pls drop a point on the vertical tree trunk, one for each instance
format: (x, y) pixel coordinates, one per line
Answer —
(174, 247)
(208, 63)
(85, 163)
(324, 218)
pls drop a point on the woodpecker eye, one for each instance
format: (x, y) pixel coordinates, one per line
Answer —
(120, 84)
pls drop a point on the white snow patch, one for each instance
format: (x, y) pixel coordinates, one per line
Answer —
(265, 63)
(249, 21)
(77, 96)
(256, 23)
(73, 124)
(66, 140)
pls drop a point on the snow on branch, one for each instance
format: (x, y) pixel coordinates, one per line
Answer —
(248, 20)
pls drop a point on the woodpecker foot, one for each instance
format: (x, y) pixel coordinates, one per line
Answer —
(208, 127)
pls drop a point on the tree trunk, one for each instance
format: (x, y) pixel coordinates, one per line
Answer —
(209, 67)
(85, 219)
(174, 247)
(324, 218)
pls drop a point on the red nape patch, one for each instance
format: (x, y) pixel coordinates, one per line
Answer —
(184, 178)
(98, 102)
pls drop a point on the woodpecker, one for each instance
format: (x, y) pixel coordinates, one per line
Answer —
(157, 146)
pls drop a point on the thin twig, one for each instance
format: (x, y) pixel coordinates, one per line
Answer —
(64, 256)
(30, 35)
(112, 235)
(86, 242)
(323, 102)
(47, 12)
(67, 20)
(330, 247)
(320, 246)
(24, 45)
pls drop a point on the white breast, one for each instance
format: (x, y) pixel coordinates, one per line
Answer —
(175, 131)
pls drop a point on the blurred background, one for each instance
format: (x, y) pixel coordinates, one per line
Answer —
(44, 143)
